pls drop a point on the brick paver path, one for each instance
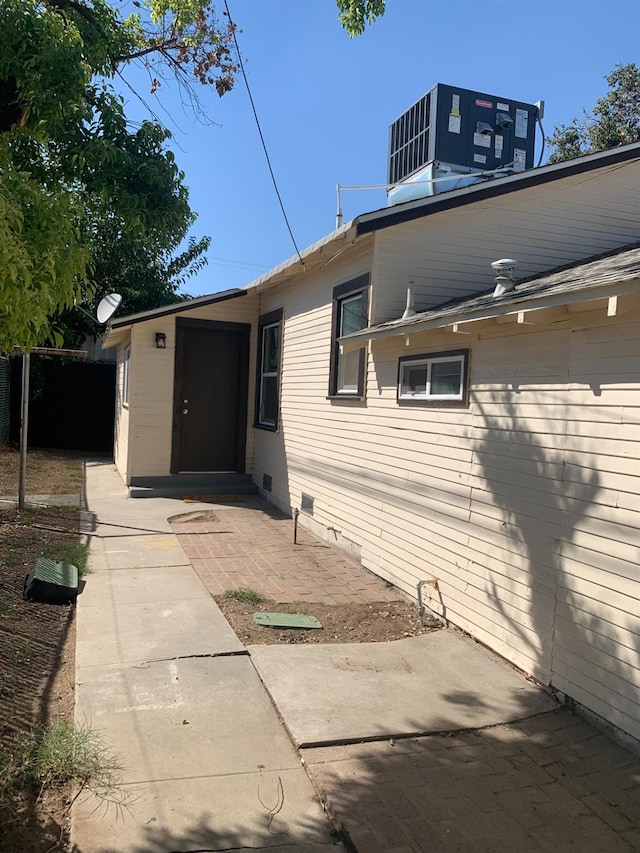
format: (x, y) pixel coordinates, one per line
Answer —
(253, 547)
(552, 783)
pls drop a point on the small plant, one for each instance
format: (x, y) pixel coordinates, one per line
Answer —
(246, 595)
(75, 553)
(57, 754)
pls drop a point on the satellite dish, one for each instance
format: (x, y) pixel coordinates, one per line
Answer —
(108, 307)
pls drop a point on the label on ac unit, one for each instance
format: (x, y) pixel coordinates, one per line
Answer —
(522, 123)
(482, 140)
(499, 145)
(519, 159)
(487, 104)
(502, 107)
(454, 123)
(479, 158)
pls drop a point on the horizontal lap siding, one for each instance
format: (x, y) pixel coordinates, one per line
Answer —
(151, 386)
(448, 255)
(523, 505)
(597, 639)
(288, 455)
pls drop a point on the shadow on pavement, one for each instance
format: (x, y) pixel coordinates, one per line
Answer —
(552, 782)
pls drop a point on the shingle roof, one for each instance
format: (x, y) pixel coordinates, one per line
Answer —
(622, 265)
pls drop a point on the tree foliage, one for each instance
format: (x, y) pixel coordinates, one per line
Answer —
(615, 119)
(71, 166)
(76, 180)
(355, 15)
(144, 276)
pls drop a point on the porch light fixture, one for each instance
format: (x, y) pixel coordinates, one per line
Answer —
(161, 340)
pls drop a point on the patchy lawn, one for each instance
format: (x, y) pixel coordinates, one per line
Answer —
(49, 472)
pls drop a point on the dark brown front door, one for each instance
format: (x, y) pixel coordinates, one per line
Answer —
(210, 397)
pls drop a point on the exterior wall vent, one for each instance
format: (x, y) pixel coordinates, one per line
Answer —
(306, 505)
(267, 482)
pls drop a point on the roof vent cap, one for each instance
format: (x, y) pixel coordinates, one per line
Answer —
(504, 270)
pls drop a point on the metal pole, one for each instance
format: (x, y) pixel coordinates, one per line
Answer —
(339, 207)
(296, 513)
(24, 428)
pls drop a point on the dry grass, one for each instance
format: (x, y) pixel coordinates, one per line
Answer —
(49, 472)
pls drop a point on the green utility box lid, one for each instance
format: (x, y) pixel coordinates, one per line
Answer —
(286, 620)
(51, 582)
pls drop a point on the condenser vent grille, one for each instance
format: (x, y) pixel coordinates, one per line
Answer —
(307, 504)
(409, 141)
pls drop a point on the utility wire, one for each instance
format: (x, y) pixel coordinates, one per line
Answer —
(264, 145)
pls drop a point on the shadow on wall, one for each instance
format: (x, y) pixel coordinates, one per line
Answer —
(547, 497)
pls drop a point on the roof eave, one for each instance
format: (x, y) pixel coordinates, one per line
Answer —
(386, 217)
(503, 308)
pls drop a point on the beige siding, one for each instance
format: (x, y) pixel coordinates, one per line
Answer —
(121, 431)
(523, 505)
(151, 388)
(449, 255)
(306, 350)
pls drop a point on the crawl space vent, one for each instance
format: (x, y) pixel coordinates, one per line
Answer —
(267, 482)
(307, 504)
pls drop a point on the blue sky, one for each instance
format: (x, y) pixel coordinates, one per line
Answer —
(326, 101)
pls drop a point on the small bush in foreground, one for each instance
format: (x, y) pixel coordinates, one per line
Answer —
(59, 754)
(246, 595)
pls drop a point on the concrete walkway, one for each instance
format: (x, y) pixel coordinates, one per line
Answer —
(465, 754)
(207, 763)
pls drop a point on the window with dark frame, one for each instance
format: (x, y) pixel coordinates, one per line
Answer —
(268, 372)
(350, 314)
(439, 378)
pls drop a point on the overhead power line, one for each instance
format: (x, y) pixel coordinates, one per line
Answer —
(264, 145)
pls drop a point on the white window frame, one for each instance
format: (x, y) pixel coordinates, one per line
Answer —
(126, 375)
(268, 374)
(427, 361)
(343, 294)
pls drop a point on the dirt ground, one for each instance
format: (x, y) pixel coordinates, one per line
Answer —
(37, 671)
(341, 623)
(49, 472)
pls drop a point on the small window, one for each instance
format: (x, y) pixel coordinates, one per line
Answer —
(350, 314)
(126, 361)
(437, 378)
(268, 374)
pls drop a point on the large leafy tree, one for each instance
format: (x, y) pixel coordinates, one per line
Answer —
(73, 172)
(614, 120)
(69, 162)
(145, 277)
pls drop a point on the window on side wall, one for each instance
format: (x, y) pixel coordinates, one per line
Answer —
(350, 314)
(268, 372)
(126, 361)
(439, 378)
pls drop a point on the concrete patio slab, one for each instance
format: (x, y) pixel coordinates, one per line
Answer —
(183, 718)
(436, 682)
(211, 813)
(142, 585)
(152, 630)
